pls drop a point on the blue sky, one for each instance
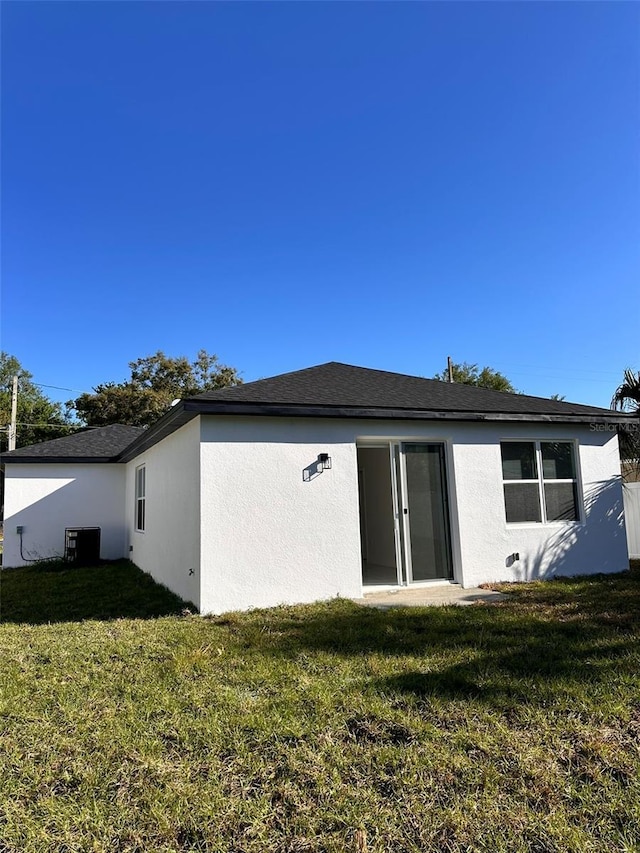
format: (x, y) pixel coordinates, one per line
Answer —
(291, 183)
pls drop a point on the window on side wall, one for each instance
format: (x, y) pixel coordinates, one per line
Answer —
(540, 481)
(140, 508)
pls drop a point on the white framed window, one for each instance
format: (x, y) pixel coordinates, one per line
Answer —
(540, 481)
(141, 491)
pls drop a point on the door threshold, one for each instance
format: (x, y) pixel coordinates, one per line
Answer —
(371, 589)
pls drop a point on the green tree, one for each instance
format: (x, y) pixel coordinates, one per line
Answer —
(470, 374)
(39, 419)
(627, 399)
(156, 381)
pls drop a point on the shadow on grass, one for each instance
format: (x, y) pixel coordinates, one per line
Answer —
(519, 674)
(561, 634)
(56, 592)
(548, 638)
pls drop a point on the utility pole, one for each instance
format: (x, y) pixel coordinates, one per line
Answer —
(14, 414)
(450, 368)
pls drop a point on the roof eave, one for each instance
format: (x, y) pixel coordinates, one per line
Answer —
(15, 460)
(218, 407)
(171, 421)
(188, 409)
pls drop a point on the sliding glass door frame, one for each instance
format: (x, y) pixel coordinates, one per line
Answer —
(397, 490)
(401, 508)
(405, 511)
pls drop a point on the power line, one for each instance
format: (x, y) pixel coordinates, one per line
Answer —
(61, 426)
(564, 369)
(53, 426)
(544, 370)
(559, 378)
(58, 387)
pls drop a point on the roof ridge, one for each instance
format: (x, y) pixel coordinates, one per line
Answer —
(266, 379)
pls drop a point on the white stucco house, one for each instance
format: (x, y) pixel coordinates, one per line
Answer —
(329, 481)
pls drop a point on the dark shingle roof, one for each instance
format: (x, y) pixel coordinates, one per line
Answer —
(344, 385)
(328, 390)
(103, 444)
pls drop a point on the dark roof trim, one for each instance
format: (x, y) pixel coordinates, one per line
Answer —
(212, 407)
(54, 460)
(171, 421)
(186, 410)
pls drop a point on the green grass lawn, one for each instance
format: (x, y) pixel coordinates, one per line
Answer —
(126, 726)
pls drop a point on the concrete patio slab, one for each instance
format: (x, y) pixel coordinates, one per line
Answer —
(431, 596)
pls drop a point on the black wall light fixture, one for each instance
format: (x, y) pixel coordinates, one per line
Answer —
(324, 461)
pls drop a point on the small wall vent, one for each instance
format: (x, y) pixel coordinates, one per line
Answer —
(82, 545)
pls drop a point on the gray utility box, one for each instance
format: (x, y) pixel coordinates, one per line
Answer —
(82, 545)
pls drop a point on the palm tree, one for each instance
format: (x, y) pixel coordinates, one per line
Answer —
(627, 396)
(627, 399)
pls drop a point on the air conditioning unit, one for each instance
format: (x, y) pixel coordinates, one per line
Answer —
(82, 545)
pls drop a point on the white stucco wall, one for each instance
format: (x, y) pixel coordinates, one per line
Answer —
(269, 536)
(597, 543)
(47, 498)
(169, 548)
(274, 531)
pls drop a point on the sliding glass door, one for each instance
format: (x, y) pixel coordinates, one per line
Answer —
(404, 512)
(426, 513)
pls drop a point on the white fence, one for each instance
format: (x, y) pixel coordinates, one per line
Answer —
(632, 517)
